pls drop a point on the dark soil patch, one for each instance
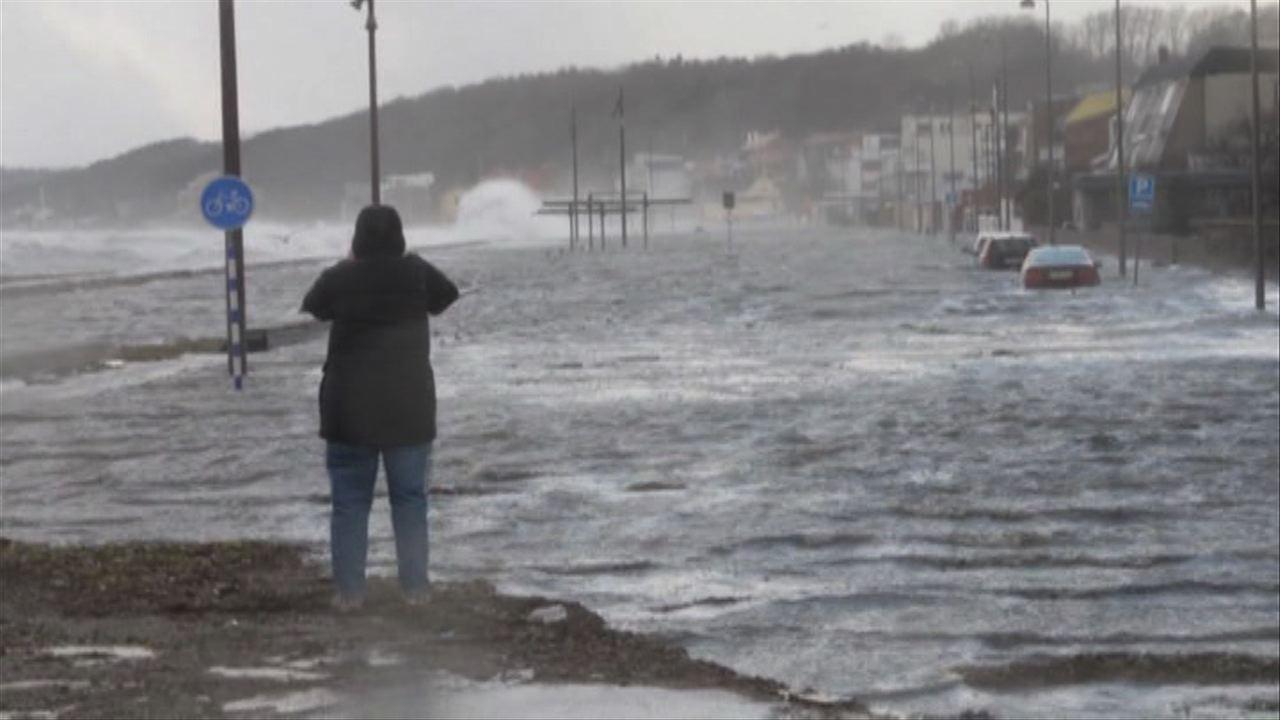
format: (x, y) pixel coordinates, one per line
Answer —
(253, 604)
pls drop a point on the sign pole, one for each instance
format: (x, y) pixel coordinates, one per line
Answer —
(1142, 200)
(1121, 215)
(728, 201)
(1260, 273)
(622, 164)
(237, 357)
(1137, 257)
(371, 24)
(573, 209)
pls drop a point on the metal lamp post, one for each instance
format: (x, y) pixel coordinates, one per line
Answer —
(1048, 108)
(1122, 210)
(371, 24)
(1260, 276)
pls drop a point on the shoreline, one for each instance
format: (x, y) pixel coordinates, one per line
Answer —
(229, 629)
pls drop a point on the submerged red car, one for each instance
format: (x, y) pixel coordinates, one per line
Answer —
(1004, 251)
(1059, 266)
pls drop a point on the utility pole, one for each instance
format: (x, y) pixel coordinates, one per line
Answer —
(1122, 209)
(1048, 108)
(973, 136)
(933, 174)
(1260, 275)
(1048, 84)
(898, 214)
(995, 145)
(622, 163)
(1005, 159)
(648, 189)
(951, 151)
(371, 24)
(919, 176)
(989, 157)
(233, 239)
(573, 211)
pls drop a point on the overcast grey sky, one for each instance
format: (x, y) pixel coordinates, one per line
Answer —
(86, 80)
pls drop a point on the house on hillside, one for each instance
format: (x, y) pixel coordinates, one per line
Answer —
(761, 199)
(1187, 123)
(412, 195)
(769, 154)
(1088, 131)
(830, 174)
(662, 176)
(1037, 136)
(879, 159)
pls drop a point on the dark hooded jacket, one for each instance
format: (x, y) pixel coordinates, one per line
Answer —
(378, 389)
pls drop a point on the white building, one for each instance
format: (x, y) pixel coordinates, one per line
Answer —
(940, 148)
(662, 176)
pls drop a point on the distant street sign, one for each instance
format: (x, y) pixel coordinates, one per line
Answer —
(728, 201)
(226, 202)
(1142, 192)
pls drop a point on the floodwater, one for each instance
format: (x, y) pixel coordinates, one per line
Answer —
(845, 459)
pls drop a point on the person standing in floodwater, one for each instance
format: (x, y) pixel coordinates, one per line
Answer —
(377, 396)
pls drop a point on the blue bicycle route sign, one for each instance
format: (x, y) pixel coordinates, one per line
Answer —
(226, 202)
(1142, 192)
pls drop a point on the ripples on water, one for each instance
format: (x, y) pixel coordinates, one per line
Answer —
(851, 462)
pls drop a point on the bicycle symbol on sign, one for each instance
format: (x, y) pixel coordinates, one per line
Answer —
(230, 201)
(226, 202)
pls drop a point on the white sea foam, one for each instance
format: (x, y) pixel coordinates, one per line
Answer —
(503, 210)
(499, 211)
(446, 695)
(112, 653)
(42, 684)
(284, 704)
(266, 673)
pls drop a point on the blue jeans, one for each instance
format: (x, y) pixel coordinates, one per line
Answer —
(353, 471)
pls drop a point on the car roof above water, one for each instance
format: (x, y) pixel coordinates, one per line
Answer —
(1007, 235)
(1059, 255)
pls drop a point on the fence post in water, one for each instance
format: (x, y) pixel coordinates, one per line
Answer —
(602, 219)
(569, 214)
(645, 202)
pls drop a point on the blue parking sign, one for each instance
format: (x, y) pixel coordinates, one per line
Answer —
(226, 202)
(1142, 192)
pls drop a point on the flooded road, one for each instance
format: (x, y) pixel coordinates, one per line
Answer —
(844, 459)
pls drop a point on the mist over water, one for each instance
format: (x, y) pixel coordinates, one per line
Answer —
(495, 211)
(844, 459)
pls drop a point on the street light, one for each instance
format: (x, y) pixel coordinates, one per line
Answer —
(1048, 84)
(371, 24)
(1122, 210)
(1260, 275)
